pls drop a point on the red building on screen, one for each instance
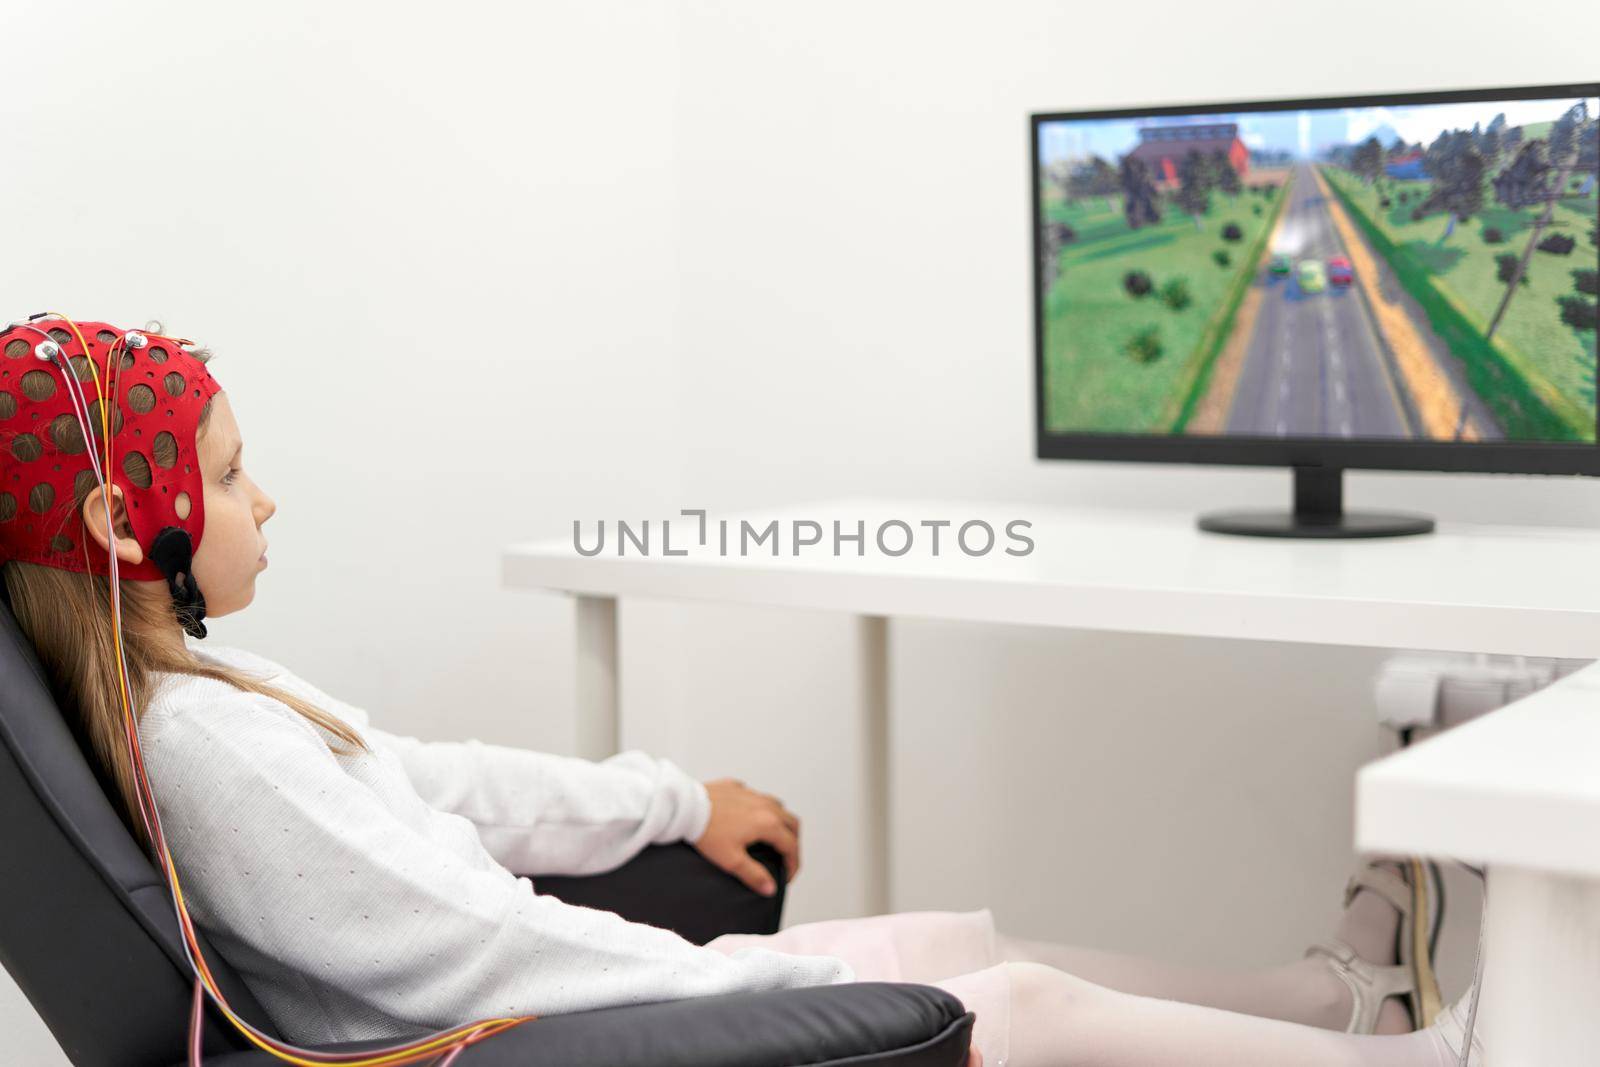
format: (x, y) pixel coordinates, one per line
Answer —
(1163, 147)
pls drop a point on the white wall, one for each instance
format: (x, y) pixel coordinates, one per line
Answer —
(758, 252)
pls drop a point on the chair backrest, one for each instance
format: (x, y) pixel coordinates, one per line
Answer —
(87, 925)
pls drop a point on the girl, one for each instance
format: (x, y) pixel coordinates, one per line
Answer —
(362, 882)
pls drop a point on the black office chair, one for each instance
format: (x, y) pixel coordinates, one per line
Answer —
(88, 932)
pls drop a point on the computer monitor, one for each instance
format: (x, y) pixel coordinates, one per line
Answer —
(1400, 281)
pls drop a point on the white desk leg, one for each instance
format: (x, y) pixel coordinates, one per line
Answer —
(599, 725)
(598, 729)
(1540, 1003)
(872, 644)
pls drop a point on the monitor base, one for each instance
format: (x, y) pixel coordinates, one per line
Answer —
(1266, 523)
(1318, 512)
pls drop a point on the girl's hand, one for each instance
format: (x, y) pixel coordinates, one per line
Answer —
(740, 817)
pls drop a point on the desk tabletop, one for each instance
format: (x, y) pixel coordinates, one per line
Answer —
(1511, 589)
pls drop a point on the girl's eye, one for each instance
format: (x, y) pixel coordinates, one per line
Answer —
(227, 479)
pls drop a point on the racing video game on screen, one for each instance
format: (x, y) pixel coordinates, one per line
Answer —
(1419, 271)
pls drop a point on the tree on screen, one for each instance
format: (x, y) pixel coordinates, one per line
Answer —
(1532, 185)
(1095, 177)
(1367, 162)
(1525, 181)
(1564, 132)
(1223, 175)
(1492, 140)
(1056, 235)
(1588, 142)
(1457, 172)
(1194, 186)
(1138, 194)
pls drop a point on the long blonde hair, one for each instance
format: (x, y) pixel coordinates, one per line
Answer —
(67, 617)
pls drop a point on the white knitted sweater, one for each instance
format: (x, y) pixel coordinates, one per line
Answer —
(372, 896)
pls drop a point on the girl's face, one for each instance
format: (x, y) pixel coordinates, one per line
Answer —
(233, 549)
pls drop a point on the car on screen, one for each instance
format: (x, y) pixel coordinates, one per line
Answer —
(1280, 264)
(1312, 278)
(1339, 271)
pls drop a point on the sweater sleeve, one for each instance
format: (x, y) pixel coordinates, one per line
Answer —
(539, 813)
(536, 813)
(282, 849)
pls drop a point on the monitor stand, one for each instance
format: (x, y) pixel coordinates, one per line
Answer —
(1318, 512)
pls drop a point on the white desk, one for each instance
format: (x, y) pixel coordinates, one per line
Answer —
(1503, 589)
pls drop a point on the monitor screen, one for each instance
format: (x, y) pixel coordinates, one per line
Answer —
(1421, 268)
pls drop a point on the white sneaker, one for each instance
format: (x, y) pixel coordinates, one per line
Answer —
(1451, 1026)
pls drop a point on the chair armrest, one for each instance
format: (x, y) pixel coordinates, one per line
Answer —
(675, 887)
(860, 1024)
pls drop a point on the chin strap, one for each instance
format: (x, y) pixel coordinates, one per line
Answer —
(173, 552)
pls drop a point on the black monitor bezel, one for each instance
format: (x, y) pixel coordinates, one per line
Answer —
(1490, 457)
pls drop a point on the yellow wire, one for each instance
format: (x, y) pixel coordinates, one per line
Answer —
(105, 483)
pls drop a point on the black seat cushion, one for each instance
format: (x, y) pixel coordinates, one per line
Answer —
(860, 1024)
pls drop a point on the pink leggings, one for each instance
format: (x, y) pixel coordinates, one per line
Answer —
(1033, 1015)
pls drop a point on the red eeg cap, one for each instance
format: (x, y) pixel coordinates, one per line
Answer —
(44, 462)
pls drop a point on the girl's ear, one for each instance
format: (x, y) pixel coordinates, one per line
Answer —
(94, 517)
